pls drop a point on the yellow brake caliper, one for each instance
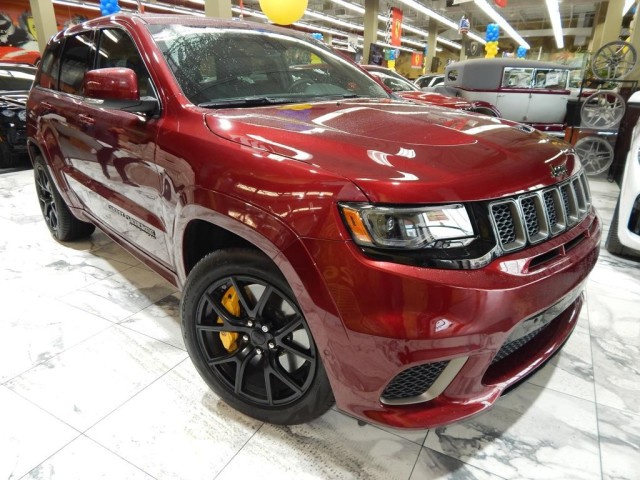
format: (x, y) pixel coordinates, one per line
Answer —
(231, 302)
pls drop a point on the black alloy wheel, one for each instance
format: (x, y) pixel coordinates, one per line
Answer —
(61, 222)
(45, 199)
(249, 340)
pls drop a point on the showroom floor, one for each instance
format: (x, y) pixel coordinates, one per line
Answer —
(96, 383)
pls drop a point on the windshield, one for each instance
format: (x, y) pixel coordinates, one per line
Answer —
(218, 67)
(14, 80)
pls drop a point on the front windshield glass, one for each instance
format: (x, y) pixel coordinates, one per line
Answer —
(233, 66)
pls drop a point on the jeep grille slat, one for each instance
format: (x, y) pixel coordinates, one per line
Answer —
(534, 217)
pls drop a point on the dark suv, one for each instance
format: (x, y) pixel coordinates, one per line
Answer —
(330, 240)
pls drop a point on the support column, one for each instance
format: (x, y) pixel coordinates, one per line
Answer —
(45, 21)
(612, 23)
(431, 44)
(634, 40)
(217, 8)
(370, 27)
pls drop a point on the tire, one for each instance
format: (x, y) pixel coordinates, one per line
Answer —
(613, 244)
(61, 223)
(255, 349)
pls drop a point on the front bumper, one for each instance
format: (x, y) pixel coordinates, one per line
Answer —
(400, 317)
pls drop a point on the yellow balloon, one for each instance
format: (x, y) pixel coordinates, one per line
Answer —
(283, 12)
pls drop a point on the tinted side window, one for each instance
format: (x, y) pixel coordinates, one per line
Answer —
(50, 68)
(76, 60)
(116, 49)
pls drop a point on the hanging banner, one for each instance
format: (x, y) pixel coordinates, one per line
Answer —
(396, 26)
(416, 60)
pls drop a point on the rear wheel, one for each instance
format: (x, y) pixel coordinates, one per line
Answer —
(59, 219)
(249, 340)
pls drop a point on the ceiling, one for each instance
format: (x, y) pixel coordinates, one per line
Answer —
(529, 17)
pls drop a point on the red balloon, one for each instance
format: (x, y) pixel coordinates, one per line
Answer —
(501, 3)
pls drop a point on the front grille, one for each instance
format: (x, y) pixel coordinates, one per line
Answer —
(510, 347)
(536, 216)
(414, 381)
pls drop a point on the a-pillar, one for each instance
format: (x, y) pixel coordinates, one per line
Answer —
(370, 27)
(431, 45)
(45, 21)
(217, 8)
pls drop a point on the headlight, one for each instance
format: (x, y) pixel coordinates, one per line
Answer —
(8, 113)
(443, 226)
(22, 115)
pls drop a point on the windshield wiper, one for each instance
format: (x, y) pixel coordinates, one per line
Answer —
(247, 102)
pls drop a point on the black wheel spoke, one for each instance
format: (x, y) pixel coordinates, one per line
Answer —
(240, 371)
(228, 319)
(220, 328)
(288, 329)
(284, 378)
(241, 297)
(231, 358)
(262, 301)
(267, 385)
(294, 349)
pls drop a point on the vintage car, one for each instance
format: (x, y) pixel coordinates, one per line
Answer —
(15, 82)
(330, 240)
(407, 90)
(624, 232)
(525, 91)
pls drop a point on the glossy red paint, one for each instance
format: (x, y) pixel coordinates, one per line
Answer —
(273, 176)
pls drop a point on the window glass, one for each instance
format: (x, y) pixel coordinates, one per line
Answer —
(549, 78)
(517, 77)
(116, 49)
(76, 60)
(16, 78)
(50, 67)
(232, 64)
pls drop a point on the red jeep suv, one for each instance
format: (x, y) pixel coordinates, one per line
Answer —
(330, 241)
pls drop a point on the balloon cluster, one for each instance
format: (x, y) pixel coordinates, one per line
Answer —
(492, 35)
(521, 52)
(317, 36)
(283, 12)
(109, 7)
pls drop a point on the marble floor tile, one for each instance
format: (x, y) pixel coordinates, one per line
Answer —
(83, 384)
(571, 371)
(84, 459)
(532, 433)
(619, 443)
(28, 435)
(35, 329)
(121, 295)
(616, 368)
(330, 447)
(177, 429)
(614, 313)
(160, 321)
(436, 466)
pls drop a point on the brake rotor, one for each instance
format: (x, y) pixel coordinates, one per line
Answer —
(231, 302)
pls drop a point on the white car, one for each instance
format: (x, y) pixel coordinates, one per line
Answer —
(624, 233)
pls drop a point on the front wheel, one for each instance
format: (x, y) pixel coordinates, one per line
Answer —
(249, 340)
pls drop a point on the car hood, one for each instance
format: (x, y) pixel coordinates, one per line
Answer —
(433, 98)
(397, 152)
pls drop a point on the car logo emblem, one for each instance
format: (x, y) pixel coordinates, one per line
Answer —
(559, 171)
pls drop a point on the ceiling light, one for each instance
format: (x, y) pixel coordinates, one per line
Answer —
(495, 16)
(556, 23)
(627, 5)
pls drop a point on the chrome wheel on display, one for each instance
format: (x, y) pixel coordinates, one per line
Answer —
(614, 60)
(596, 154)
(602, 110)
